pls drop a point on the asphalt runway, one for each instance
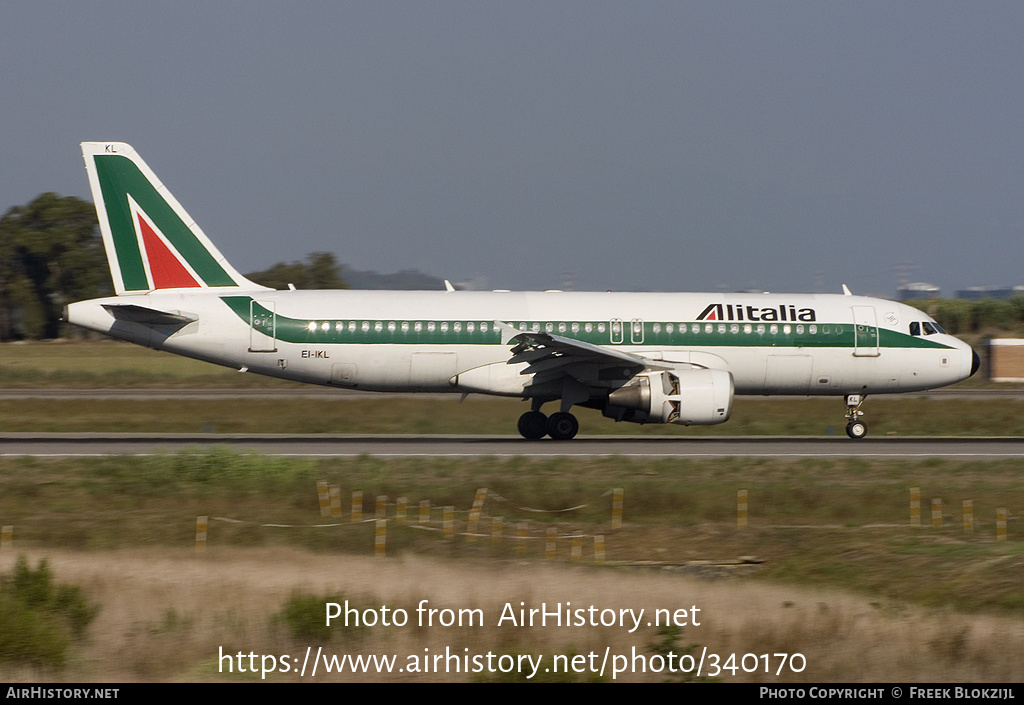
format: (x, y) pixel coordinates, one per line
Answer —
(101, 444)
(315, 392)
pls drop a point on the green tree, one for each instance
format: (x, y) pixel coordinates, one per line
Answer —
(51, 253)
(319, 271)
(992, 313)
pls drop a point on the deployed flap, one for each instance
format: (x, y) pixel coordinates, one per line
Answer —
(149, 316)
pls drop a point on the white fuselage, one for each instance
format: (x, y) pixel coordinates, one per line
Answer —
(397, 341)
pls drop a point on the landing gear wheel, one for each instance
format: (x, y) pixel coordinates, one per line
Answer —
(562, 426)
(855, 428)
(533, 425)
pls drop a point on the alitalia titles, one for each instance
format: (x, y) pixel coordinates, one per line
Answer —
(737, 312)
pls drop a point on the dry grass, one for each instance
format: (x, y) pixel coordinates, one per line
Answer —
(167, 613)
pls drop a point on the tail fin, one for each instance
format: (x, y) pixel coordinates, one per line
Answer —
(151, 242)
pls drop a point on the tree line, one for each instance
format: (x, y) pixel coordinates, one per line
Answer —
(51, 253)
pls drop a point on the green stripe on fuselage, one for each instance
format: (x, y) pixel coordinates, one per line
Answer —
(379, 331)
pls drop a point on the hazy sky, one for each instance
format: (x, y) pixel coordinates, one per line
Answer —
(642, 145)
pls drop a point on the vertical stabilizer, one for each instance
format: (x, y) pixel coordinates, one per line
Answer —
(151, 241)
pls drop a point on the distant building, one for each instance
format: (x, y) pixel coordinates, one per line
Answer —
(1005, 359)
(974, 293)
(917, 290)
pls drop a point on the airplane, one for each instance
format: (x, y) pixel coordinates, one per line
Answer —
(677, 358)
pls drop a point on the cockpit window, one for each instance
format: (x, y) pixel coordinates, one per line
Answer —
(915, 328)
(929, 328)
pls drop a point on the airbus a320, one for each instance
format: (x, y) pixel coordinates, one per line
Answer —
(637, 357)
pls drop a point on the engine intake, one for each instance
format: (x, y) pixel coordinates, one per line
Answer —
(685, 396)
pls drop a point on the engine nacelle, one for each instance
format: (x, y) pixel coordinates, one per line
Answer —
(685, 396)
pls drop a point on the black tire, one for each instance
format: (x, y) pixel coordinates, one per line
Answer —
(856, 429)
(562, 426)
(533, 425)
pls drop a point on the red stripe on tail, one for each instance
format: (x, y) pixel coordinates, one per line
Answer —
(167, 271)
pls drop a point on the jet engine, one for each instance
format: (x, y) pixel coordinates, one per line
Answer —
(685, 396)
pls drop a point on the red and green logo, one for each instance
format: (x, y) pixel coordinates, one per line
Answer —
(155, 248)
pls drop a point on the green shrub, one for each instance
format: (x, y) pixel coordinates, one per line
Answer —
(304, 618)
(38, 618)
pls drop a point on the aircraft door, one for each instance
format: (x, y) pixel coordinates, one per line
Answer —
(865, 332)
(262, 326)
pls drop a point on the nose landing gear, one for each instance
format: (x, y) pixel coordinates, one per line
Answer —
(855, 428)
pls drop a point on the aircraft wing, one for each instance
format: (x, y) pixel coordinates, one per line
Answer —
(550, 357)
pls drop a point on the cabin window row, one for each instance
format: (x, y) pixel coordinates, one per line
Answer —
(617, 327)
(393, 326)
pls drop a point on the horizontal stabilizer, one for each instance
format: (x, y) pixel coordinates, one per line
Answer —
(149, 316)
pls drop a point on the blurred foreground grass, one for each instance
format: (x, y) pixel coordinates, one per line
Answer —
(838, 523)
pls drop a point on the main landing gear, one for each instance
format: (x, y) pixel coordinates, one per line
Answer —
(855, 428)
(561, 425)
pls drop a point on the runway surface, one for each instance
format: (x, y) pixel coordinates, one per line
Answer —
(100, 444)
(313, 392)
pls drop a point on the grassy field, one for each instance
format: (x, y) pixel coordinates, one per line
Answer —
(111, 364)
(102, 365)
(903, 416)
(855, 511)
(814, 526)
(830, 566)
